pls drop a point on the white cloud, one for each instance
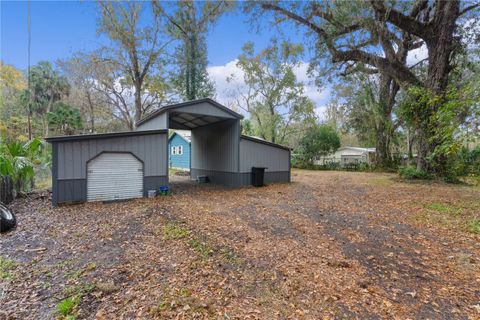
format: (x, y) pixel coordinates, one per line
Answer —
(417, 55)
(320, 112)
(219, 74)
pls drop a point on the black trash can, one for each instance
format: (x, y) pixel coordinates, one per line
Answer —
(257, 176)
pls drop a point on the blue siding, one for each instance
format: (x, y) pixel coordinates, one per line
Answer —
(179, 161)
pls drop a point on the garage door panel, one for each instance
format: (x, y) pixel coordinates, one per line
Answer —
(114, 176)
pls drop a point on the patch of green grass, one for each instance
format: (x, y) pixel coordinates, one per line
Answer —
(229, 255)
(174, 231)
(442, 208)
(78, 290)
(90, 266)
(473, 226)
(6, 266)
(450, 216)
(203, 249)
(64, 264)
(68, 308)
(184, 292)
(76, 274)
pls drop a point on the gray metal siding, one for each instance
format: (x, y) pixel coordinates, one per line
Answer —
(153, 183)
(55, 174)
(227, 179)
(215, 147)
(69, 163)
(236, 180)
(71, 190)
(255, 154)
(73, 156)
(159, 122)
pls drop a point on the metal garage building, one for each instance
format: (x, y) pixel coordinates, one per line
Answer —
(128, 164)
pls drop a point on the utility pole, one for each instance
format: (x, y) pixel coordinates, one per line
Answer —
(28, 70)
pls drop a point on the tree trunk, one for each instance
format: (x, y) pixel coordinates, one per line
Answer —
(138, 101)
(440, 48)
(386, 101)
(382, 148)
(410, 139)
(193, 76)
(92, 114)
(423, 149)
(49, 107)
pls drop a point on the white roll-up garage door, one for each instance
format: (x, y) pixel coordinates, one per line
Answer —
(112, 176)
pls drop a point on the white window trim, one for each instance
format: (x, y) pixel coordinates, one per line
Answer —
(180, 150)
(174, 151)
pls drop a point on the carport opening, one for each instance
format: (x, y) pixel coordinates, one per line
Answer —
(179, 156)
(209, 144)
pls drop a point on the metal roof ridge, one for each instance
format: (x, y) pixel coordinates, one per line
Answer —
(162, 109)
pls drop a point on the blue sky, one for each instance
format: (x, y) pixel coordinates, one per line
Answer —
(60, 28)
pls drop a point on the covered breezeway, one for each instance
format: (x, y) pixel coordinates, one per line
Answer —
(218, 150)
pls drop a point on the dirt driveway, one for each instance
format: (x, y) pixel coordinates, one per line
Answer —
(333, 245)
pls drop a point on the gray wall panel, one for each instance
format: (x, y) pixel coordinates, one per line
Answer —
(73, 156)
(215, 147)
(255, 154)
(276, 177)
(153, 183)
(71, 190)
(235, 180)
(227, 179)
(245, 178)
(159, 122)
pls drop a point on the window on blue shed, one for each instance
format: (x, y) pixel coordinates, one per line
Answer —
(180, 150)
(174, 150)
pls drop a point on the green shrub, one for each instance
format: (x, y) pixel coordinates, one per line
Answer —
(468, 162)
(411, 173)
(18, 160)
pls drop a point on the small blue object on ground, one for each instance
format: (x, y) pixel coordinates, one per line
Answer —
(164, 190)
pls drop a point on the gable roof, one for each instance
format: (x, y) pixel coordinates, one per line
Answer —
(188, 103)
(184, 134)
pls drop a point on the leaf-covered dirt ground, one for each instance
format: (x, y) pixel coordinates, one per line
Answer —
(331, 245)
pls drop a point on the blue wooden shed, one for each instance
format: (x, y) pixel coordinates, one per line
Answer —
(179, 150)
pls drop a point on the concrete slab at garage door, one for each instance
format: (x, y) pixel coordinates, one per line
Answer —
(114, 176)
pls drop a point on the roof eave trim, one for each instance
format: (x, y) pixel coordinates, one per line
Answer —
(268, 143)
(104, 135)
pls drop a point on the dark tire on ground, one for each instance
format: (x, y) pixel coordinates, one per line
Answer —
(7, 219)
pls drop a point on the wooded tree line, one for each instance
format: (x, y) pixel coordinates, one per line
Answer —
(434, 101)
(157, 54)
